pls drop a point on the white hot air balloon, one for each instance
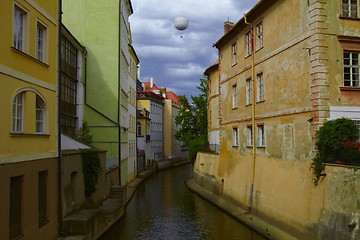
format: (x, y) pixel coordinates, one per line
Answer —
(181, 23)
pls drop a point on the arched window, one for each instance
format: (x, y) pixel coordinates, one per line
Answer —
(18, 113)
(40, 118)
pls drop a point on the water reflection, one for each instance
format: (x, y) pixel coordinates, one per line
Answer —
(163, 208)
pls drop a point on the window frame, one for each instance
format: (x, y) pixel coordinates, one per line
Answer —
(235, 134)
(353, 69)
(261, 135)
(259, 36)
(41, 41)
(260, 93)
(18, 114)
(233, 54)
(40, 116)
(346, 9)
(234, 97)
(249, 140)
(248, 43)
(249, 86)
(19, 28)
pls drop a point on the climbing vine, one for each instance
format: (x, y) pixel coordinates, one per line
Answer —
(335, 143)
(91, 169)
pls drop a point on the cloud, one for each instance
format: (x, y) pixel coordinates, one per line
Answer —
(177, 59)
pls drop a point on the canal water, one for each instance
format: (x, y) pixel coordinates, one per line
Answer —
(164, 208)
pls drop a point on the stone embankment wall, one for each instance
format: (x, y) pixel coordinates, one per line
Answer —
(284, 193)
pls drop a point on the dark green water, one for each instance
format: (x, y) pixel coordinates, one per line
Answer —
(164, 208)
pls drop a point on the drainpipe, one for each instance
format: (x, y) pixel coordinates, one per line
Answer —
(119, 94)
(59, 122)
(252, 113)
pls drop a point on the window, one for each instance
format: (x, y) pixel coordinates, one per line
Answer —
(138, 130)
(18, 113)
(260, 88)
(248, 41)
(351, 69)
(259, 36)
(235, 137)
(249, 136)
(233, 47)
(350, 8)
(69, 89)
(235, 97)
(40, 42)
(15, 231)
(39, 115)
(19, 31)
(260, 136)
(42, 197)
(248, 91)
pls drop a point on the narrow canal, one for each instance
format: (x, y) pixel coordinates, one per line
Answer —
(164, 208)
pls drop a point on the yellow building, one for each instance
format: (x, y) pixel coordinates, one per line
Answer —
(28, 106)
(283, 69)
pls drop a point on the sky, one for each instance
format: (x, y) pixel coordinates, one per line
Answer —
(177, 59)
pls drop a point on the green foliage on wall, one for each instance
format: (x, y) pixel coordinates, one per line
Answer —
(335, 143)
(91, 169)
(84, 135)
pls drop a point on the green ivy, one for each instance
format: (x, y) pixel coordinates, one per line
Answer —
(91, 169)
(330, 145)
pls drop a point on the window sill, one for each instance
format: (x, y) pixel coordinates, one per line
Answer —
(262, 147)
(234, 108)
(357, 89)
(259, 49)
(249, 146)
(235, 146)
(350, 18)
(234, 64)
(28, 56)
(14, 134)
(260, 101)
(248, 104)
(43, 223)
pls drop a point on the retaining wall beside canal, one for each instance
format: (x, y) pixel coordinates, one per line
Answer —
(284, 194)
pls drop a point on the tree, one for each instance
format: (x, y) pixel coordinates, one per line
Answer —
(192, 120)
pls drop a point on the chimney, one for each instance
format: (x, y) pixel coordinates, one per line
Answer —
(227, 26)
(151, 82)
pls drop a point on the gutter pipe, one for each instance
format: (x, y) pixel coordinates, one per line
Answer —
(252, 114)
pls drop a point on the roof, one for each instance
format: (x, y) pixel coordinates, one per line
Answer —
(173, 97)
(147, 86)
(240, 25)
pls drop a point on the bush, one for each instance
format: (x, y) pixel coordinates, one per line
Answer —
(335, 143)
(198, 144)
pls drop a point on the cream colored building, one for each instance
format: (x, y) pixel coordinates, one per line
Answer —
(283, 69)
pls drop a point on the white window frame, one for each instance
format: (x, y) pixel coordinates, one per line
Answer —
(260, 135)
(351, 69)
(234, 96)
(350, 8)
(234, 53)
(249, 91)
(40, 116)
(19, 28)
(248, 42)
(249, 140)
(259, 36)
(41, 36)
(18, 113)
(260, 87)
(235, 136)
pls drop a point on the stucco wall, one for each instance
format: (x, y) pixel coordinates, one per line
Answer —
(284, 193)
